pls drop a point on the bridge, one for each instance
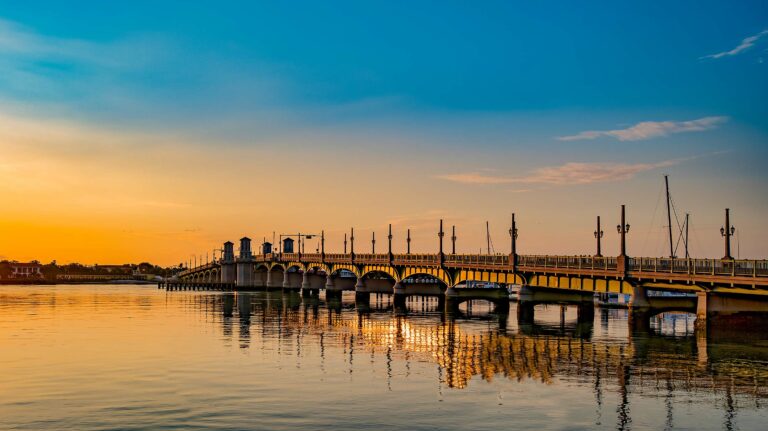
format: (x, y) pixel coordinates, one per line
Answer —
(726, 290)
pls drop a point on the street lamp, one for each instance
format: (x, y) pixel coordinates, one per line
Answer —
(408, 242)
(513, 234)
(598, 235)
(727, 232)
(453, 239)
(622, 229)
(440, 235)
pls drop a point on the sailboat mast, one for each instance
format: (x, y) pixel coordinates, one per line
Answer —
(686, 235)
(488, 238)
(669, 219)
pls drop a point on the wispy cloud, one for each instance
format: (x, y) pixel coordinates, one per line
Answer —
(477, 178)
(650, 129)
(568, 173)
(21, 42)
(745, 44)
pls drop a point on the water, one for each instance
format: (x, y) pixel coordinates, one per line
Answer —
(137, 358)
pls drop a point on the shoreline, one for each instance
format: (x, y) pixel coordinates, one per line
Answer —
(55, 282)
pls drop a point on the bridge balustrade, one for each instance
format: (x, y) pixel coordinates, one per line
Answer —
(336, 257)
(372, 258)
(568, 262)
(753, 268)
(430, 259)
(648, 265)
(478, 259)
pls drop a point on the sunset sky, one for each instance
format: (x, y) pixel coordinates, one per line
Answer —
(149, 131)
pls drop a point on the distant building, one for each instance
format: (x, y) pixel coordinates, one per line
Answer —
(26, 270)
(114, 269)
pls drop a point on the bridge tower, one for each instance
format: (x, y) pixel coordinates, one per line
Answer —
(245, 264)
(228, 263)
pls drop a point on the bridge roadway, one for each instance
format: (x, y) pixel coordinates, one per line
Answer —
(732, 290)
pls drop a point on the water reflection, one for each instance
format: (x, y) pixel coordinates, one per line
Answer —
(666, 359)
(215, 354)
(658, 363)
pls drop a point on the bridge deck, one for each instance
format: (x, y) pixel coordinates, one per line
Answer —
(744, 273)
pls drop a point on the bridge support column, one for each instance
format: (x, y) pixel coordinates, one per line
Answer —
(228, 272)
(268, 283)
(244, 274)
(361, 292)
(525, 312)
(720, 314)
(398, 297)
(360, 285)
(286, 280)
(398, 288)
(331, 292)
(639, 318)
(585, 312)
(306, 286)
(362, 301)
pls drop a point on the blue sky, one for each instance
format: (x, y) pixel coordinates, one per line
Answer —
(446, 56)
(503, 98)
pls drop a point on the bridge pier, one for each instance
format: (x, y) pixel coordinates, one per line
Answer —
(639, 318)
(525, 313)
(362, 295)
(306, 286)
(228, 272)
(331, 291)
(363, 300)
(360, 286)
(585, 312)
(244, 277)
(722, 314)
(398, 295)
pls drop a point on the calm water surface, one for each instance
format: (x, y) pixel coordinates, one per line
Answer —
(137, 358)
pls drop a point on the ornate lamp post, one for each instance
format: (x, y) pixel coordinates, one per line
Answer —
(727, 232)
(322, 246)
(345, 243)
(513, 242)
(440, 235)
(373, 242)
(598, 236)
(389, 246)
(453, 239)
(513, 236)
(352, 244)
(622, 229)
(408, 242)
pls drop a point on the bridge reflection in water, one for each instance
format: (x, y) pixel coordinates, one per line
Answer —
(477, 342)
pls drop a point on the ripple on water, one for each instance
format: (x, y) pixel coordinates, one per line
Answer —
(136, 358)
